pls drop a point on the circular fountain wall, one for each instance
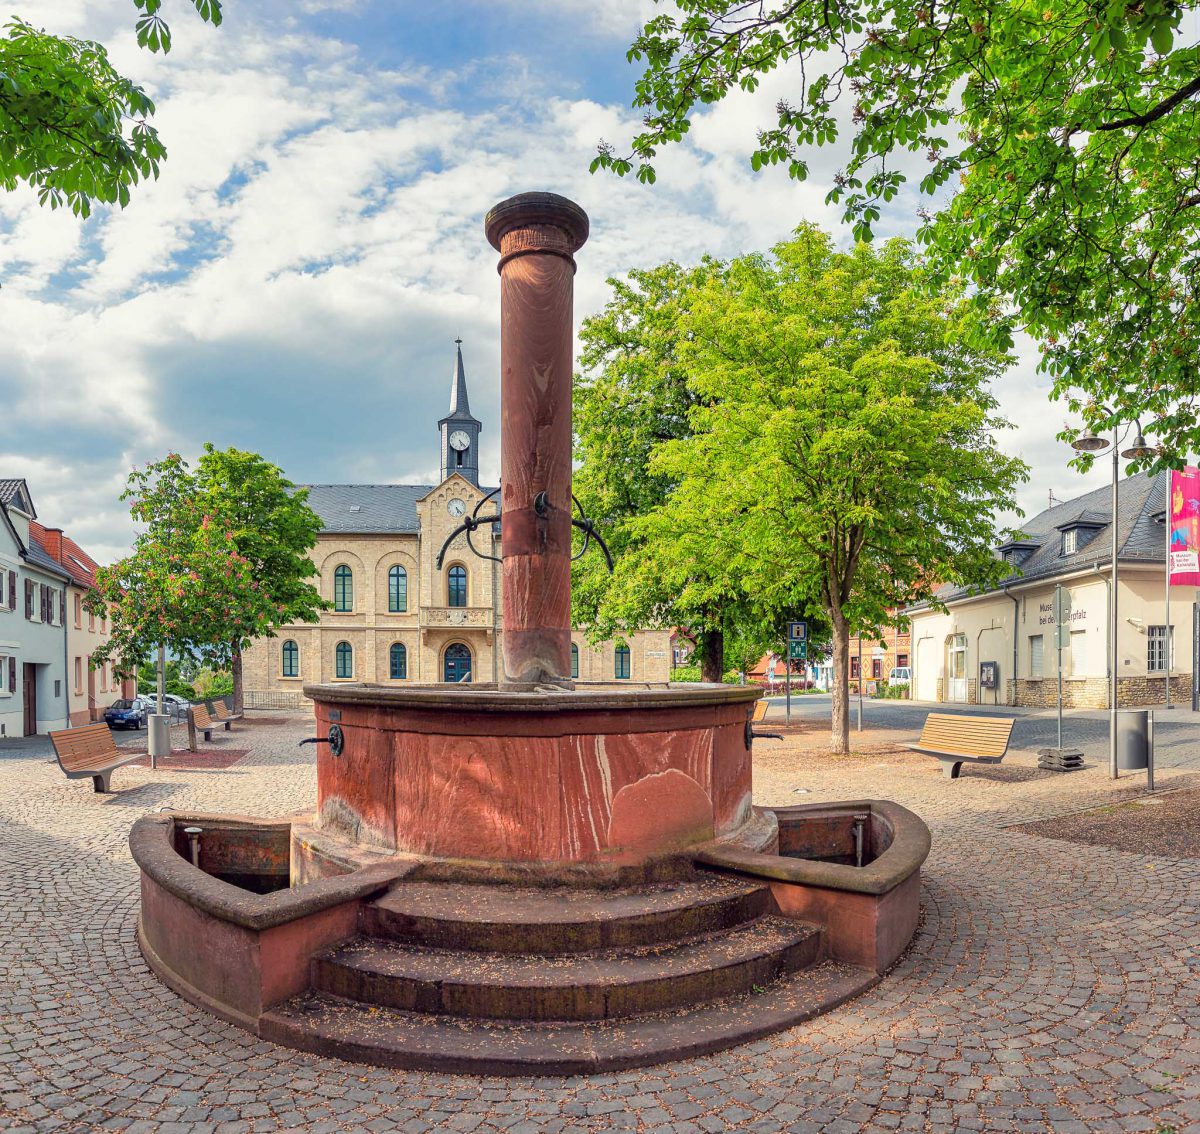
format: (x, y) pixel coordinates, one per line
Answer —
(614, 775)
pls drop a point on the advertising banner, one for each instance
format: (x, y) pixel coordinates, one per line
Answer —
(1183, 568)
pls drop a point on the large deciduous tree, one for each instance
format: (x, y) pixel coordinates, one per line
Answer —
(1061, 141)
(841, 449)
(631, 396)
(221, 560)
(273, 529)
(71, 126)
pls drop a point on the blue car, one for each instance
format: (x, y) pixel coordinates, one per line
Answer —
(126, 714)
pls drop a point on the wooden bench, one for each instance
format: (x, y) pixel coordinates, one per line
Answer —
(90, 751)
(956, 740)
(202, 722)
(220, 712)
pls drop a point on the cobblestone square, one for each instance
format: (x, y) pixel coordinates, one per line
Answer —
(1051, 986)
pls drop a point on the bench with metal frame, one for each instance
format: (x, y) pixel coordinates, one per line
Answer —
(220, 712)
(202, 722)
(90, 752)
(955, 740)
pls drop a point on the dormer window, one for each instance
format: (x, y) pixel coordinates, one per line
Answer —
(1070, 541)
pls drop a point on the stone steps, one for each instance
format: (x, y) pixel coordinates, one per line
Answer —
(386, 1037)
(507, 919)
(600, 985)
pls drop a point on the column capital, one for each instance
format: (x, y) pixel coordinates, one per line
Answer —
(536, 222)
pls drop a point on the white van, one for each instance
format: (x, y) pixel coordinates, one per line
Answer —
(901, 675)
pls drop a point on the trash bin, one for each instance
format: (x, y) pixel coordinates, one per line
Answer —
(159, 735)
(1134, 739)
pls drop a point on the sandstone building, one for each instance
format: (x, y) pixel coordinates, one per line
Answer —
(395, 616)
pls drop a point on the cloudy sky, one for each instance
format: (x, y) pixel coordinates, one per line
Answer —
(294, 281)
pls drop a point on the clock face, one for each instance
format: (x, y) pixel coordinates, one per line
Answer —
(459, 440)
(456, 507)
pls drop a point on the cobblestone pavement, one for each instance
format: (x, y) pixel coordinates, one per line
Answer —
(1050, 987)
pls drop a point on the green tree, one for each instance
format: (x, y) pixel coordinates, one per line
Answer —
(222, 560)
(631, 396)
(184, 587)
(1060, 141)
(71, 126)
(842, 451)
(273, 529)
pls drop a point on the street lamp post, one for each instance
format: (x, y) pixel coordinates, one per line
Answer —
(1090, 443)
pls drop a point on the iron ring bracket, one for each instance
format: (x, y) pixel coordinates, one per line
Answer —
(336, 740)
(589, 533)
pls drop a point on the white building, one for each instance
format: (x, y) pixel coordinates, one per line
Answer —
(1009, 632)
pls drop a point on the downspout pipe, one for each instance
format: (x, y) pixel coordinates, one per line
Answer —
(1016, 641)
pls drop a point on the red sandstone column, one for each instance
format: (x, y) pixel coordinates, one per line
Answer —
(536, 235)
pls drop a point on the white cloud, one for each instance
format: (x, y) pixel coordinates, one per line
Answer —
(294, 281)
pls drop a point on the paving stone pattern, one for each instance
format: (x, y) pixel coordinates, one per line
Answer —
(1051, 987)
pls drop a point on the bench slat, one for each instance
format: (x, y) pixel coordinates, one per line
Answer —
(954, 739)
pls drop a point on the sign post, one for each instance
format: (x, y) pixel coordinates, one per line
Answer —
(797, 647)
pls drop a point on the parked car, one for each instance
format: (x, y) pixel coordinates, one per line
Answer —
(901, 675)
(174, 704)
(127, 713)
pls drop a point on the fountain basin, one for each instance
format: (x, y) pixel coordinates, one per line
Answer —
(604, 775)
(870, 912)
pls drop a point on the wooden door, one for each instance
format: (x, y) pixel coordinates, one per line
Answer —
(29, 690)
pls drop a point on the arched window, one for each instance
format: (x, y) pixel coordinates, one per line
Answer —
(291, 659)
(456, 665)
(574, 660)
(343, 589)
(398, 662)
(456, 582)
(621, 666)
(397, 590)
(345, 660)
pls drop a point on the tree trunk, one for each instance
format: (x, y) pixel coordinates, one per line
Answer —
(839, 741)
(191, 725)
(235, 667)
(712, 662)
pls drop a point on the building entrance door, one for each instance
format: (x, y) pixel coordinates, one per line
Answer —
(29, 697)
(957, 669)
(457, 663)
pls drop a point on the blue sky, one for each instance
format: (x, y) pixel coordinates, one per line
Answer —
(294, 281)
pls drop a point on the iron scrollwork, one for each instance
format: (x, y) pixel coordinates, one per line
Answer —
(541, 505)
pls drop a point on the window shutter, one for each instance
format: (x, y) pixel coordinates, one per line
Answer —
(62, 608)
(29, 585)
(12, 590)
(45, 602)
(12, 674)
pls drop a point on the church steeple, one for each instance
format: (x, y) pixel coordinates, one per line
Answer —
(459, 430)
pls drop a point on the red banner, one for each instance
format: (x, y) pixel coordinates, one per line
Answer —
(1184, 507)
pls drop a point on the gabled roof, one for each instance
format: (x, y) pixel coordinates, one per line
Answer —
(80, 566)
(36, 556)
(366, 507)
(15, 491)
(1140, 537)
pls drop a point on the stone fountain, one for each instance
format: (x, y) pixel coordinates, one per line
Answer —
(533, 876)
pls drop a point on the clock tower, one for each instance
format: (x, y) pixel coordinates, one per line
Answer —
(459, 430)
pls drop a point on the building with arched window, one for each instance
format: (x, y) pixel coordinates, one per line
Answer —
(393, 614)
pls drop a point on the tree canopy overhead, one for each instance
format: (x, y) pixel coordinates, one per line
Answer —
(1061, 148)
(71, 126)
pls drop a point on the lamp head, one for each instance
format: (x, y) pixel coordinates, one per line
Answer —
(1139, 450)
(1089, 443)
